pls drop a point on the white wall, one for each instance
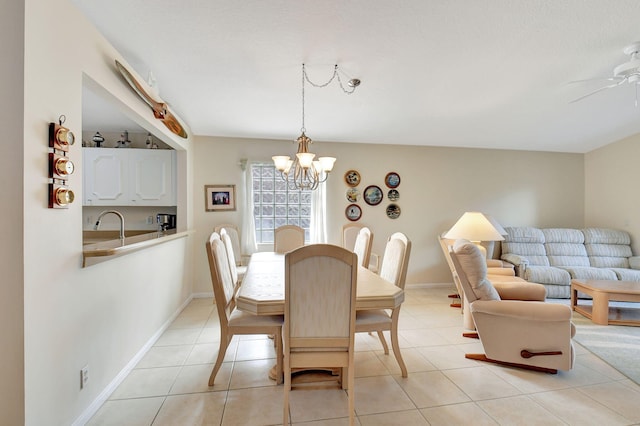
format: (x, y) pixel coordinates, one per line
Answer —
(611, 174)
(104, 314)
(11, 244)
(437, 186)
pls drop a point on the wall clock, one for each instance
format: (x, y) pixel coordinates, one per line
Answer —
(160, 109)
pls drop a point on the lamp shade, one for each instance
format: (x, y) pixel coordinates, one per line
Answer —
(474, 226)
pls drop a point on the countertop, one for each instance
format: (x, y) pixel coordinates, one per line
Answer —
(130, 244)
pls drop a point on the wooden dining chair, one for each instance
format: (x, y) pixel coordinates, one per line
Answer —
(287, 238)
(350, 233)
(319, 314)
(234, 233)
(237, 272)
(232, 320)
(393, 269)
(362, 246)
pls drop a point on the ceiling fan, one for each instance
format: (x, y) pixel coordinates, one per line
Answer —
(627, 72)
(160, 109)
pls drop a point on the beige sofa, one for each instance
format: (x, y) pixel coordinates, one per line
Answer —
(555, 256)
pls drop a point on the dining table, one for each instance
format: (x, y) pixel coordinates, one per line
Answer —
(262, 290)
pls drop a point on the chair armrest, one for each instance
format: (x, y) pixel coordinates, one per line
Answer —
(634, 262)
(497, 263)
(523, 310)
(507, 272)
(521, 291)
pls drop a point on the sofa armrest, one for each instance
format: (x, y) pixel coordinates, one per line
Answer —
(634, 262)
(520, 262)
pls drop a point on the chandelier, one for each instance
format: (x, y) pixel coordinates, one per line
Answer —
(303, 172)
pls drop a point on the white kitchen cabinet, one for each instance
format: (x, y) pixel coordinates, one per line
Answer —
(128, 177)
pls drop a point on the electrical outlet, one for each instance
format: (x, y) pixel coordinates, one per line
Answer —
(149, 220)
(84, 376)
(89, 220)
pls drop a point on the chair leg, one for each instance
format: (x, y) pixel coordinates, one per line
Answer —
(222, 350)
(351, 394)
(384, 342)
(287, 390)
(394, 342)
(278, 343)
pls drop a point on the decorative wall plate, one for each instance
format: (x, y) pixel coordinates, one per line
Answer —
(353, 212)
(393, 195)
(352, 178)
(392, 180)
(393, 211)
(373, 195)
(352, 195)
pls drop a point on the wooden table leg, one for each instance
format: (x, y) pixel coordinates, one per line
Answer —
(600, 311)
(574, 298)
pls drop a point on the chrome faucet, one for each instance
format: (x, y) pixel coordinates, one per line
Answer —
(117, 213)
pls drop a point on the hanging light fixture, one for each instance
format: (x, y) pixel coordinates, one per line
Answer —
(303, 172)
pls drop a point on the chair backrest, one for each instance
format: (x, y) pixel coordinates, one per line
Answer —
(226, 239)
(396, 259)
(234, 234)
(349, 235)
(287, 238)
(320, 297)
(362, 246)
(223, 285)
(471, 271)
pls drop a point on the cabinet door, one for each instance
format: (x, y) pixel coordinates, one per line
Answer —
(105, 173)
(151, 174)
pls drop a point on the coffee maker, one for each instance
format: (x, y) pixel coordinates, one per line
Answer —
(166, 221)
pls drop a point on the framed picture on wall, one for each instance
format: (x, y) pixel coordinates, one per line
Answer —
(219, 198)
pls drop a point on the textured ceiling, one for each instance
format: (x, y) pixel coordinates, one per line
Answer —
(483, 73)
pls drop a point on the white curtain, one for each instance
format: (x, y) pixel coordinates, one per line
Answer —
(318, 231)
(248, 230)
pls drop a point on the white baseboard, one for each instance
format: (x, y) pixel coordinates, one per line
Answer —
(429, 285)
(93, 408)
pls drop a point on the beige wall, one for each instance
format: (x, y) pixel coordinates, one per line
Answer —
(610, 176)
(11, 244)
(99, 316)
(437, 186)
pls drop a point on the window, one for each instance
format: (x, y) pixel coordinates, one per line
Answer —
(274, 204)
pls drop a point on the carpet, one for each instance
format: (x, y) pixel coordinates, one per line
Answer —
(617, 345)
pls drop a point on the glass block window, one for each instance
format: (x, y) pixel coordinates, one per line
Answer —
(274, 204)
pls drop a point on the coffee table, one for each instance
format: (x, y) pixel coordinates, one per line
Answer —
(602, 291)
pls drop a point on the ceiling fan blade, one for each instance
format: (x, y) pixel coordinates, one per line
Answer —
(588, 80)
(611, 86)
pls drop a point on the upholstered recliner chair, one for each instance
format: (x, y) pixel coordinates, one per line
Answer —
(526, 334)
(508, 286)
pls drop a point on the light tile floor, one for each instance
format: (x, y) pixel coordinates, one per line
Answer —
(169, 385)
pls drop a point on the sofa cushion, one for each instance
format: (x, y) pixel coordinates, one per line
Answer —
(589, 273)
(547, 275)
(527, 242)
(474, 265)
(626, 274)
(607, 248)
(565, 247)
